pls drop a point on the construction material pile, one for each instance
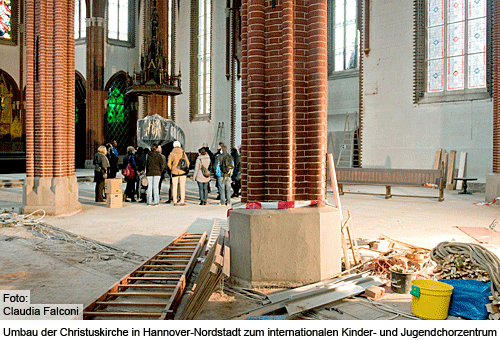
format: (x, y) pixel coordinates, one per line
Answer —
(459, 266)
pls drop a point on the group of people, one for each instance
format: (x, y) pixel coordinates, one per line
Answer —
(145, 169)
(226, 169)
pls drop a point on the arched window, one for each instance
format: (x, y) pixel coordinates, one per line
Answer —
(11, 123)
(121, 21)
(80, 15)
(120, 117)
(80, 121)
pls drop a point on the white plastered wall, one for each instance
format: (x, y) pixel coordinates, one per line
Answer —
(400, 134)
(199, 132)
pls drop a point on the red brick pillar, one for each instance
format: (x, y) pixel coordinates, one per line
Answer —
(50, 101)
(96, 96)
(496, 86)
(284, 97)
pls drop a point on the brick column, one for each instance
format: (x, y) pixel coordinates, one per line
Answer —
(96, 96)
(496, 86)
(50, 62)
(284, 98)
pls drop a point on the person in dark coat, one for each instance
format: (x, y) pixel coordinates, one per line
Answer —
(112, 155)
(101, 166)
(130, 159)
(236, 176)
(154, 168)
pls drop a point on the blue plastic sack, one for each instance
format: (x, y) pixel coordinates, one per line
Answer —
(469, 299)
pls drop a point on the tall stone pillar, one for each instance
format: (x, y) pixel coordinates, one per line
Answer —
(96, 96)
(50, 108)
(493, 180)
(284, 98)
(284, 137)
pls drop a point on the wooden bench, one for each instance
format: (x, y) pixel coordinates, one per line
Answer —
(389, 178)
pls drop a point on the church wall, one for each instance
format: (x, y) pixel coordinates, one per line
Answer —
(81, 59)
(9, 60)
(198, 132)
(400, 134)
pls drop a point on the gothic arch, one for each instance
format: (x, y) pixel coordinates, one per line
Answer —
(121, 113)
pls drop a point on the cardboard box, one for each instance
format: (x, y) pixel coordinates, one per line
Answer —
(113, 186)
(114, 200)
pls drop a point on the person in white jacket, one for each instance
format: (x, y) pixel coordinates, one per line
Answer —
(199, 175)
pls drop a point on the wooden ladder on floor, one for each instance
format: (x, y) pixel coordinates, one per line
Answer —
(154, 290)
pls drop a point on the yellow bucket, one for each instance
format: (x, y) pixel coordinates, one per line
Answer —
(431, 299)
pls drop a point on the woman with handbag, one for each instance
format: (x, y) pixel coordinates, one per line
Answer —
(130, 172)
(202, 174)
(101, 165)
(178, 163)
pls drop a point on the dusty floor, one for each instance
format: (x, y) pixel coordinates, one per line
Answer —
(59, 272)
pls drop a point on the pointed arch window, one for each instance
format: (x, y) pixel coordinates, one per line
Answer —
(80, 15)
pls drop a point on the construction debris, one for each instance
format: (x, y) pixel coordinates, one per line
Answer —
(215, 265)
(460, 267)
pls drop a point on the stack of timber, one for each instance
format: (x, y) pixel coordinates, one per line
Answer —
(215, 266)
(458, 266)
(154, 289)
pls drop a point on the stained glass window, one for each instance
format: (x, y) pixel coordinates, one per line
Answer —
(204, 52)
(346, 36)
(80, 15)
(5, 19)
(118, 20)
(119, 118)
(456, 45)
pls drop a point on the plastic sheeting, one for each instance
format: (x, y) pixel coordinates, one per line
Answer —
(158, 130)
(469, 298)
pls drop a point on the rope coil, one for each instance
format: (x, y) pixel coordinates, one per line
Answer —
(479, 255)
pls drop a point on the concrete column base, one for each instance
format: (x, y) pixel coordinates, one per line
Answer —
(55, 195)
(284, 248)
(492, 187)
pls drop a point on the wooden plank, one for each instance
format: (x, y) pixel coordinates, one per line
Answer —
(158, 272)
(444, 164)
(146, 278)
(124, 314)
(451, 170)
(132, 303)
(335, 188)
(437, 160)
(461, 168)
(126, 293)
(147, 286)
(162, 266)
(226, 268)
